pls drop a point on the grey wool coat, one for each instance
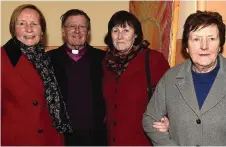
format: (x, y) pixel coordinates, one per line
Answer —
(189, 126)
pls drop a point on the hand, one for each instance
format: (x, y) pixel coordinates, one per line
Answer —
(162, 125)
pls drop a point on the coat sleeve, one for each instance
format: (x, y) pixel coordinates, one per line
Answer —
(156, 109)
(158, 66)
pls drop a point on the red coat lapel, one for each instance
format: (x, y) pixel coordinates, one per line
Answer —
(24, 70)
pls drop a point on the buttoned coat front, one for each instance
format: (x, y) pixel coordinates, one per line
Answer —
(189, 126)
(127, 98)
(25, 119)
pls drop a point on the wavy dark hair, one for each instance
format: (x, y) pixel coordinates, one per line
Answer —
(122, 18)
(202, 19)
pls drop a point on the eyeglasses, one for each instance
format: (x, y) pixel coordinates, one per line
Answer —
(81, 28)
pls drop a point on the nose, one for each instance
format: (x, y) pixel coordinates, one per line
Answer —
(76, 29)
(120, 35)
(29, 28)
(204, 44)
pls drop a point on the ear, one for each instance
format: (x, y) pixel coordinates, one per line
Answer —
(88, 33)
(63, 32)
(135, 36)
(187, 50)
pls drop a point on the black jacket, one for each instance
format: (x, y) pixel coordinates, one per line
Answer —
(59, 55)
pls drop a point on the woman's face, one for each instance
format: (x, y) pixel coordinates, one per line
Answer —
(204, 46)
(123, 38)
(28, 28)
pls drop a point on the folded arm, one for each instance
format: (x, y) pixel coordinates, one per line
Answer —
(156, 110)
(162, 125)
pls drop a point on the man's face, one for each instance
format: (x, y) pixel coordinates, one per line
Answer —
(75, 31)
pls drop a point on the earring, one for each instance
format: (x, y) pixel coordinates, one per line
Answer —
(41, 35)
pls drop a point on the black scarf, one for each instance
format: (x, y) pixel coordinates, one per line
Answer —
(118, 63)
(41, 62)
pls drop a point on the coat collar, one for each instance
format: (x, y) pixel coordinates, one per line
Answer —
(218, 90)
(135, 65)
(90, 51)
(87, 47)
(13, 52)
(186, 87)
(22, 67)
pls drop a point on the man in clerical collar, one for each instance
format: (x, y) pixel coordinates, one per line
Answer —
(78, 70)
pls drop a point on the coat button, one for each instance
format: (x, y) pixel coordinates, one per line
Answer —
(113, 139)
(35, 103)
(115, 90)
(198, 121)
(115, 106)
(40, 131)
(114, 123)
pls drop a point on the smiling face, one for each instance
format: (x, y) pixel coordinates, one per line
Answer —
(28, 28)
(203, 47)
(75, 31)
(123, 38)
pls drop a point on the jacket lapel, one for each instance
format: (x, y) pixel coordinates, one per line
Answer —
(134, 66)
(186, 87)
(218, 90)
(23, 69)
(27, 72)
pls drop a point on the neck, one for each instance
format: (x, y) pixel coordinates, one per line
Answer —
(125, 52)
(74, 47)
(204, 69)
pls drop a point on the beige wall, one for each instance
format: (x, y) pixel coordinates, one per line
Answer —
(188, 7)
(219, 6)
(99, 12)
(185, 9)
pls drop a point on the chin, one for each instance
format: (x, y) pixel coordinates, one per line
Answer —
(30, 43)
(121, 49)
(205, 63)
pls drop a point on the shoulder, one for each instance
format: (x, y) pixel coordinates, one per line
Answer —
(157, 59)
(222, 64)
(96, 53)
(179, 70)
(3, 54)
(95, 50)
(154, 54)
(2, 50)
(55, 51)
(223, 60)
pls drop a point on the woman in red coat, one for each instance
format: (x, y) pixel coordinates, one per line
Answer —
(124, 83)
(33, 113)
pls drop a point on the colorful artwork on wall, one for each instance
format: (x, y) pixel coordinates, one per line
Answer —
(156, 19)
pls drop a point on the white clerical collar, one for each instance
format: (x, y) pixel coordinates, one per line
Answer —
(75, 52)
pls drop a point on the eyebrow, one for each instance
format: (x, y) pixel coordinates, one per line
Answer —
(74, 23)
(26, 21)
(212, 35)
